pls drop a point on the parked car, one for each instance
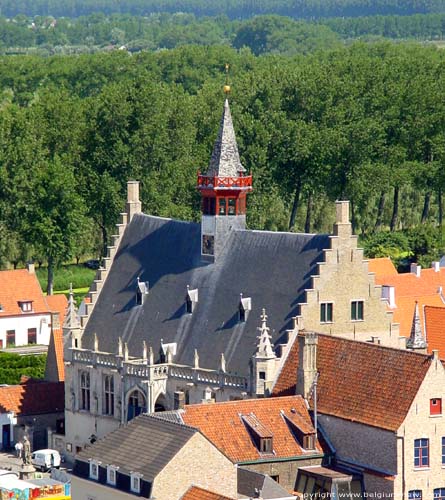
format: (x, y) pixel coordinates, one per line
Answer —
(46, 459)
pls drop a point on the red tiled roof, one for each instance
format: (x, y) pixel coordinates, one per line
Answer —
(382, 266)
(358, 381)
(408, 284)
(33, 398)
(435, 329)
(195, 493)
(20, 285)
(222, 424)
(57, 303)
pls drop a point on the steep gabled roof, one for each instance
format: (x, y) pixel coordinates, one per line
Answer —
(18, 286)
(224, 425)
(33, 398)
(410, 285)
(55, 368)
(161, 441)
(270, 267)
(382, 266)
(435, 329)
(196, 493)
(358, 381)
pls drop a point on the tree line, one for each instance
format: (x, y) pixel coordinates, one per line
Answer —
(364, 122)
(234, 9)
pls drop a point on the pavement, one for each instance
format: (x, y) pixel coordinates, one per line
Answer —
(9, 461)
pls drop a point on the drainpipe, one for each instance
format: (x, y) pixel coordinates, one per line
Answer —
(403, 465)
(315, 408)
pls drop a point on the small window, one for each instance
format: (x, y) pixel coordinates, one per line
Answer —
(10, 338)
(108, 395)
(94, 470)
(415, 495)
(135, 483)
(357, 310)
(26, 306)
(421, 453)
(309, 442)
(439, 494)
(242, 315)
(111, 475)
(326, 312)
(266, 445)
(222, 206)
(436, 406)
(232, 206)
(262, 375)
(443, 451)
(32, 336)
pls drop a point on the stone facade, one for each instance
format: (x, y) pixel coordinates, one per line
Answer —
(342, 279)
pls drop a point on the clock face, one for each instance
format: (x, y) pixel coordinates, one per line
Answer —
(208, 244)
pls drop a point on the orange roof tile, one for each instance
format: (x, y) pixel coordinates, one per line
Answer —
(33, 398)
(57, 303)
(408, 284)
(20, 285)
(223, 425)
(195, 493)
(381, 266)
(358, 381)
(435, 329)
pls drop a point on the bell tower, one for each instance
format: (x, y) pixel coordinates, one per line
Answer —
(223, 188)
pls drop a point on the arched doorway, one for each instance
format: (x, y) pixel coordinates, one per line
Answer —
(137, 404)
(161, 403)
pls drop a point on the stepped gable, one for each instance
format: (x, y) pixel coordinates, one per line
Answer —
(271, 268)
(359, 381)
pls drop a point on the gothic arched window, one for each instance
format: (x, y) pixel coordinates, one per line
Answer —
(136, 404)
(84, 391)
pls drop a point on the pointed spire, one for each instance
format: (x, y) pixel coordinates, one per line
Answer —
(222, 365)
(119, 347)
(264, 347)
(71, 316)
(416, 340)
(151, 356)
(126, 353)
(96, 343)
(196, 359)
(144, 351)
(225, 160)
(169, 355)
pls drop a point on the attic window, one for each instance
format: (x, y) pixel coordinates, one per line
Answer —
(94, 469)
(301, 428)
(309, 442)
(436, 406)
(261, 435)
(191, 300)
(142, 290)
(111, 474)
(135, 485)
(26, 305)
(244, 308)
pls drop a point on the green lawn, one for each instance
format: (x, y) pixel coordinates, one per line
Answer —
(80, 276)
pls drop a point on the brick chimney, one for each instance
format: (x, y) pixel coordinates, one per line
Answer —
(307, 362)
(133, 202)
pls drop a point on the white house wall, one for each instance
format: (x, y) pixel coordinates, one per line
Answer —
(21, 324)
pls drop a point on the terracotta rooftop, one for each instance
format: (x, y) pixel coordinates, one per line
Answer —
(195, 493)
(17, 286)
(55, 367)
(358, 381)
(223, 424)
(32, 398)
(435, 329)
(404, 311)
(382, 266)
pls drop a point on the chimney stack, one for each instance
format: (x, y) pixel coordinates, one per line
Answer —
(415, 269)
(133, 203)
(30, 267)
(342, 226)
(307, 362)
(436, 266)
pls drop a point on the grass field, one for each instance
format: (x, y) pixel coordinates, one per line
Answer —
(80, 276)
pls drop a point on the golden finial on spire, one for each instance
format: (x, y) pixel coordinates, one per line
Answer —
(226, 87)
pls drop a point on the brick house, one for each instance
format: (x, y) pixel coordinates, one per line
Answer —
(26, 315)
(380, 407)
(152, 458)
(175, 312)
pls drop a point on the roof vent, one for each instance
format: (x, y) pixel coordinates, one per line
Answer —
(141, 291)
(191, 299)
(436, 266)
(244, 308)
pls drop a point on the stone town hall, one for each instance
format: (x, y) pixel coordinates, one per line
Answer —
(183, 312)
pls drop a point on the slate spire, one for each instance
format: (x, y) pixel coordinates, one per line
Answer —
(416, 340)
(71, 316)
(265, 346)
(225, 160)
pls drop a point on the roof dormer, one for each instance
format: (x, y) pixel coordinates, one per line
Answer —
(25, 305)
(142, 290)
(191, 299)
(244, 308)
(260, 434)
(303, 431)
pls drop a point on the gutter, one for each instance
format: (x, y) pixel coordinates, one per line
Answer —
(286, 459)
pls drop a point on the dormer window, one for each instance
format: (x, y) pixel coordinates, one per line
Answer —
(26, 305)
(111, 474)
(303, 431)
(191, 300)
(135, 480)
(260, 434)
(94, 469)
(142, 290)
(436, 406)
(244, 308)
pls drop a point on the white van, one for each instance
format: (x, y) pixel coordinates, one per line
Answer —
(46, 459)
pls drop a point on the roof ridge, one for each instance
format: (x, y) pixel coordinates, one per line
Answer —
(239, 401)
(159, 418)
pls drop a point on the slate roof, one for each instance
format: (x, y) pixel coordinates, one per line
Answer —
(270, 267)
(435, 329)
(20, 285)
(145, 445)
(358, 381)
(33, 398)
(196, 493)
(223, 425)
(255, 485)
